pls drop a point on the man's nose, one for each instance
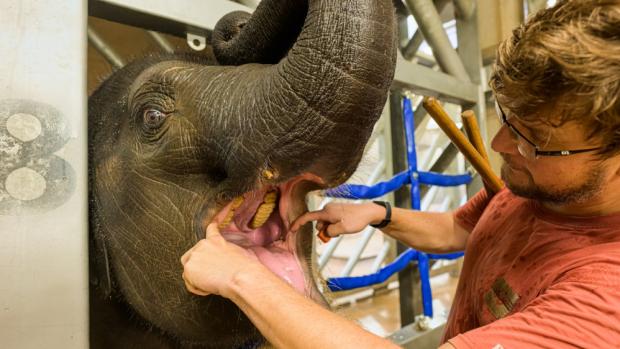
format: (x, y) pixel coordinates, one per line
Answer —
(503, 142)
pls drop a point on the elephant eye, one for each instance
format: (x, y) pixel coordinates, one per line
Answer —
(153, 118)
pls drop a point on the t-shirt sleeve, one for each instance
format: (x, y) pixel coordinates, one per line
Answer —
(580, 311)
(468, 215)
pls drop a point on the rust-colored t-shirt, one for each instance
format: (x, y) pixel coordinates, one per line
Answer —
(535, 279)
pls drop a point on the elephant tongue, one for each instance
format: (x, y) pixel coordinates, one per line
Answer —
(280, 260)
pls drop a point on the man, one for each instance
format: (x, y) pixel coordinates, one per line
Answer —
(542, 265)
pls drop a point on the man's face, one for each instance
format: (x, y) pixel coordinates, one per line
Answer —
(554, 179)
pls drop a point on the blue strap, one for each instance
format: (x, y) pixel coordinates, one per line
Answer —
(442, 180)
(352, 282)
(356, 191)
(425, 284)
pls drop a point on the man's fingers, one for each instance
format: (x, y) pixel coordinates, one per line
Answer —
(193, 289)
(213, 231)
(310, 216)
(186, 255)
(334, 230)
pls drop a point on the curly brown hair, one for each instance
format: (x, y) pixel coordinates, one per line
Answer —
(563, 65)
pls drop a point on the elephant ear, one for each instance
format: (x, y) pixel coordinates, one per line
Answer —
(100, 275)
(241, 38)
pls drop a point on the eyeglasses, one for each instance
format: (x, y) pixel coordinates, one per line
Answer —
(529, 149)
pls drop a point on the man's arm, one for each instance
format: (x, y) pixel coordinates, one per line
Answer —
(425, 231)
(289, 320)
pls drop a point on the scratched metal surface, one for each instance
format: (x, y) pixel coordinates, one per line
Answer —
(43, 197)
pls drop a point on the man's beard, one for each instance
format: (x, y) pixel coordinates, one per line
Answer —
(589, 188)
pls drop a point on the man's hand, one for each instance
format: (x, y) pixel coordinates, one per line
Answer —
(342, 218)
(211, 265)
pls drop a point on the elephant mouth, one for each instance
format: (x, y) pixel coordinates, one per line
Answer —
(260, 221)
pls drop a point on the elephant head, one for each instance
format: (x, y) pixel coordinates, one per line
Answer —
(178, 141)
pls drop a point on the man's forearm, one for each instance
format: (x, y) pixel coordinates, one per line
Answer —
(427, 231)
(289, 320)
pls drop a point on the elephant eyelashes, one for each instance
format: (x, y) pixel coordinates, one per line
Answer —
(154, 118)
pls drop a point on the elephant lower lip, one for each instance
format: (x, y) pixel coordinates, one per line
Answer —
(272, 243)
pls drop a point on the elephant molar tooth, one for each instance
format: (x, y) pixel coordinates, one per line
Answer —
(235, 204)
(264, 210)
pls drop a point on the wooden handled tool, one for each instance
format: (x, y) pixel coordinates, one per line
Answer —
(473, 133)
(470, 124)
(471, 154)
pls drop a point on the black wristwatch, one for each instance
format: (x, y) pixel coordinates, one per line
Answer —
(388, 214)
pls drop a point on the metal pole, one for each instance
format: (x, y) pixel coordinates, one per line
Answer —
(430, 24)
(161, 41)
(108, 53)
(367, 233)
(412, 47)
(385, 249)
(464, 8)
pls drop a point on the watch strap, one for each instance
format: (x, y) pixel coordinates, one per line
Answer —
(388, 214)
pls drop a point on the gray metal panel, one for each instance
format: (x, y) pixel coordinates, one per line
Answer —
(430, 23)
(176, 18)
(43, 177)
(413, 337)
(427, 81)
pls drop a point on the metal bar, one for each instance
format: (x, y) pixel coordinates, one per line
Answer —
(464, 8)
(430, 24)
(434, 144)
(106, 51)
(403, 26)
(412, 47)
(445, 204)
(429, 197)
(419, 114)
(186, 16)
(329, 251)
(425, 81)
(161, 41)
(412, 337)
(44, 193)
(357, 252)
(385, 249)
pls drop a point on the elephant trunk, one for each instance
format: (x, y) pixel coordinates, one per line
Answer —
(328, 91)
